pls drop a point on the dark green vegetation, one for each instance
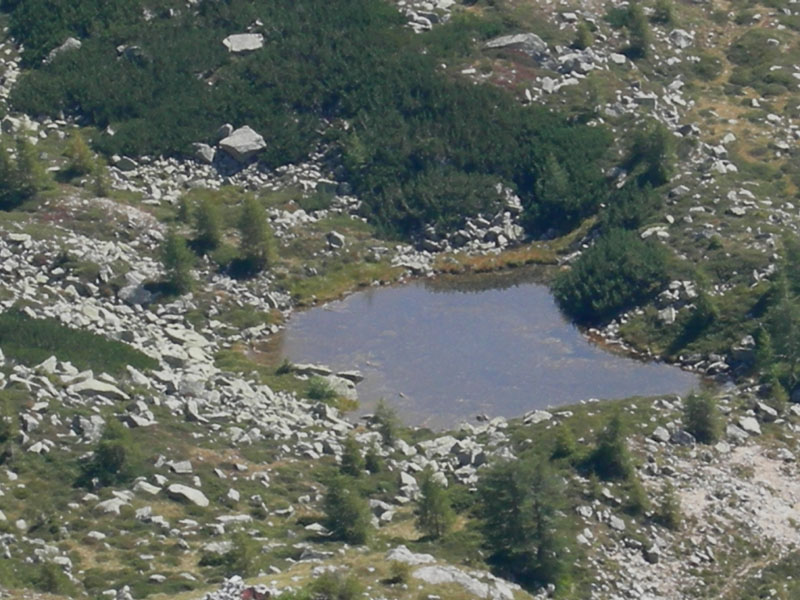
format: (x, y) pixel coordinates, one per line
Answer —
(117, 459)
(177, 260)
(31, 341)
(418, 146)
(618, 272)
(435, 516)
(701, 418)
(347, 512)
(257, 248)
(22, 176)
(524, 526)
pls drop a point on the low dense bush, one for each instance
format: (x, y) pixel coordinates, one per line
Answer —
(610, 458)
(319, 389)
(22, 176)
(415, 145)
(31, 341)
(752, 49)
(620, 271)
(117, 459)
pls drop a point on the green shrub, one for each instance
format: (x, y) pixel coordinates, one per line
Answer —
(23, 177)
(117, 459)
(31, 341)
(752, 49)
(352, 462)
(668, 513)
(81, 160)
(50, 578)
(700, 417)
(347, 513)
(208, 224)
(620, 271)
(610, 458)
(319, 200)
(387, 421)
(663, 12)
(178, 261)
(637, 502)
(709, 67)
(240, 560)
(319, 389)
(399, 573)
(630, 207)
(435, 516)
(564, 445)
(336, 586)
(256, 244)
(652, 155)
(639, 34)
(373, 461)
(583, 36)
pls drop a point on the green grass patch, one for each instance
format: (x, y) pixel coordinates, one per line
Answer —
(31, 341)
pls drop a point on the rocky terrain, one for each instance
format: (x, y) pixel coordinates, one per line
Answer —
(235, 449)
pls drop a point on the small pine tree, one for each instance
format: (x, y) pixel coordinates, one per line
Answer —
(185, 211)
(9, 186)
(565, 445)
(177, 260)
(610, 459)
(704, 314)
(373, 461)
(31, 176)
(765, 351)
(652, 154)
(81, 160)
(523, 521)
(638, 503)
(434, 514)
(386, 418)
(668, 513)
(101, 184)
(116, 458)
(352, 462)
(209, 225)
(255, 235)
(583, 37)
(638, 31)
(347, 513)
(700, 417)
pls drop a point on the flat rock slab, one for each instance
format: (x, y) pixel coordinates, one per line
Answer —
(244, 42)
(184, 493)
(93, 387)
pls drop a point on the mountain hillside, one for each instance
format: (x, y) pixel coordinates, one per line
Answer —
(178, 177)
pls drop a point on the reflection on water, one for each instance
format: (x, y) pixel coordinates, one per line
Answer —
(447, 350)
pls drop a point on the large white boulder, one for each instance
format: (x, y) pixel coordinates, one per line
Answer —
(184, 493)
(244, 42)
(243, 144)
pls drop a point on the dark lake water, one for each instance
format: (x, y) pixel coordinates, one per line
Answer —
(446, 350)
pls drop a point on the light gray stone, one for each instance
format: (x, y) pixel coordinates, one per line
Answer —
(404, 555)
(243, 144)
(181, 492)
(750, 425)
